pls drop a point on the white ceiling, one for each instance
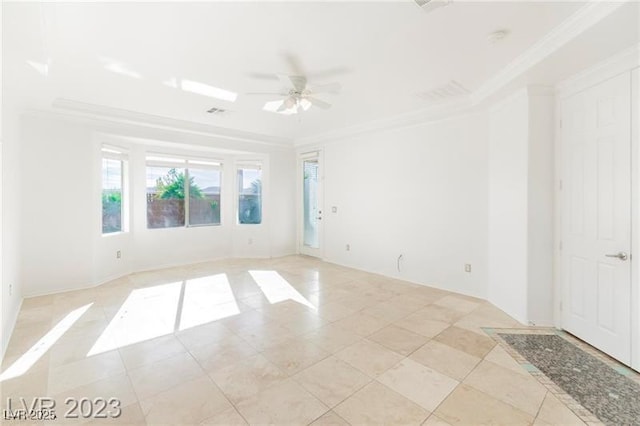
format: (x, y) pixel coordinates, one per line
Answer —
(121, 55)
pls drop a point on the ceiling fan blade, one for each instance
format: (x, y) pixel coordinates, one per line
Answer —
(299, 82)
(263, 76)
(333, 88)
(317, 102)
(328, 73)
(266, 93)
(284, 80)
(295, 65)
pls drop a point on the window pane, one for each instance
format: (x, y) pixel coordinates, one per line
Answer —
(249, 196)
(204, 197)
(165, 197)
(111, 196)
(310, 204)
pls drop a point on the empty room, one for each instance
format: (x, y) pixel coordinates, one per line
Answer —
(320, 212)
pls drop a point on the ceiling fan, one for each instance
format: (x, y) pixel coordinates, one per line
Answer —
(297, 95)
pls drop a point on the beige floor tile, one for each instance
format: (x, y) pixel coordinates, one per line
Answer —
(363, 327)
(445, 359)
(412, 302)
(332, 338)
(294, 356)
(398, 339)
(70, 349)
(425, 327)
(284, 403)
(554, 412)
(204, 334)
(362, 324)
(500, 357)
(388, 311)
(332, 380)
(377, 404)
(466, 341)
(246, 319)
(84, 371)
(458, 303)
(434, 420)
(19, 364)
(219, 355)
(265, 336)
(160, 376)
(330, 418)
(524, 393)
(129, 415)
(150, 351)
(118, 386)
(369, 357)
(468, 406)
(243, 379)
(37, 301)
(27, 386)
(190, 402)
(230, 416)
(438, 313)
(422, 385)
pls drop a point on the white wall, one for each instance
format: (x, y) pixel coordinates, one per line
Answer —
(62, 245)
(635, 237)
(521, 206)
(420, 192)
(11, 226)
(540, 207)
(508, 205)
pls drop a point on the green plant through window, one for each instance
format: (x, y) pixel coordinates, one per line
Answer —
(166, 197)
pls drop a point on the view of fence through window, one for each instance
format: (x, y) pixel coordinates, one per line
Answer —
(249, 194)
(169, 188)
(111, 195)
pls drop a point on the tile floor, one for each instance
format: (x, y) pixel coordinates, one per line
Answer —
(288, 341)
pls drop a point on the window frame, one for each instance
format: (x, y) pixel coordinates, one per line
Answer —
(249, 165)
(112, 152)
(183, 162)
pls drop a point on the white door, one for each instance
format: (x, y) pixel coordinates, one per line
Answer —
(311, 212)
(596, 220)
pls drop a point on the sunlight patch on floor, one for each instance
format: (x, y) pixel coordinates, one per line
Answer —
(207, 299)
(277, 289)
(147, 313)
(26, 361)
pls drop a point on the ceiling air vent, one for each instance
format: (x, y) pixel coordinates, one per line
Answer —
(431, 5)
(217, 111)
(449, 91)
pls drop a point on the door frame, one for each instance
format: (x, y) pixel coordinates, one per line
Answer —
(626, 61)
(300, 157)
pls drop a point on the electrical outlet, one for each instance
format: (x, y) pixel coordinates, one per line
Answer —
(467, 267)
(118, 254)
(348, 247)
(334, 209)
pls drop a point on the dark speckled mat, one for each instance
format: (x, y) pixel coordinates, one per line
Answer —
(605, 392)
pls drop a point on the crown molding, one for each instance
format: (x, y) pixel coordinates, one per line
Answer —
(616, 64)
(587, 16)
(414, 118)
(127, 117)
(580, 21)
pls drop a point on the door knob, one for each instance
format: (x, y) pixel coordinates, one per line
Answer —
(622, 255)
